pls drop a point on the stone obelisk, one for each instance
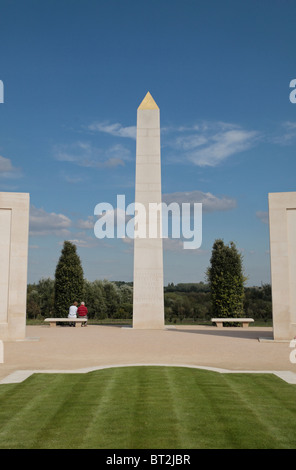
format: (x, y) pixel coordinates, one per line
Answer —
(148, 299)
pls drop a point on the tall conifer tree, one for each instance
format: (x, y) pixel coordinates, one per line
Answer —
(68, 286)
(226, 280)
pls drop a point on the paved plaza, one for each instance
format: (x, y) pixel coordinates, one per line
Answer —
(68, 349)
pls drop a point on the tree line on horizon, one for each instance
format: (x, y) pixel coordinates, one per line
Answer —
(223, 293)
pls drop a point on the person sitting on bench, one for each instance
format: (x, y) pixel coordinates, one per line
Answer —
(82, 313)
(73, 312)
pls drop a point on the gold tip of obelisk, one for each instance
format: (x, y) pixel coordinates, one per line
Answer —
(148, 103)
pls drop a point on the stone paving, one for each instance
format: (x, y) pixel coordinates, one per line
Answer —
(68, 349)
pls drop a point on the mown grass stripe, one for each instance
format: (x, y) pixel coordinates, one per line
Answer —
(30, 410)
(272, 404)
(148, 407)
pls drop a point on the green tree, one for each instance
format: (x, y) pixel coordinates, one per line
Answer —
(94, 297)
(46, 296)
(33, 302)
(226, 280)
(126, 294)
(68, 286)
(112, 297)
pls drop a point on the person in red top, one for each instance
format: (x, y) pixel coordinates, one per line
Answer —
(82, 313)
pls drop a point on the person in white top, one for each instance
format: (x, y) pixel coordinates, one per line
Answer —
(73, 312)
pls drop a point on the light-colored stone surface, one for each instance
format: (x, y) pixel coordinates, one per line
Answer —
(5, 233)
(148, 301)
(282, 227)
(14, 227)
(72, 349)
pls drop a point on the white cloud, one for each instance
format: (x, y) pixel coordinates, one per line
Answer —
(191, 142)
(204, 144)
(263, 216)
(82, 239)
(288, 135)
(115, 129)
(7, 170)
(118, 151)
(86, 155)
(86, 224)
(87, 242)
(45, 223)
(221, 146)
(210, 143)
(210, 202)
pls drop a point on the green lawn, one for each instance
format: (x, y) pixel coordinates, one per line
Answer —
(148, 408)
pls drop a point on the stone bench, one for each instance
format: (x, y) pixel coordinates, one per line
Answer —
(219, 321)
(54, 321)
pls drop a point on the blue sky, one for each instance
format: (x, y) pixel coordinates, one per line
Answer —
(74, 73)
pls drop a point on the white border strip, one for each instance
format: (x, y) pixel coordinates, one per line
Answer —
(21, 375)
